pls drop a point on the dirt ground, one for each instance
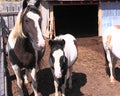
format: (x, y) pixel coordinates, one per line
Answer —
(89, 75)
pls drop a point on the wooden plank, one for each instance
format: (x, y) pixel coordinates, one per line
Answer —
(76, 2)
(99, 22)
(82, 0)
(52, 28)
(73, 2)
(8, 13)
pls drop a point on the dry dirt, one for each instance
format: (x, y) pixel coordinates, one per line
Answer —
(90, 77)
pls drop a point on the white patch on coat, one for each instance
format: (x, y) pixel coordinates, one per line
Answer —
(115, 39)
(31, 2)
(57, 69)
(35, 18)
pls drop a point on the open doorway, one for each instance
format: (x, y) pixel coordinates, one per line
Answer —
(78, 20)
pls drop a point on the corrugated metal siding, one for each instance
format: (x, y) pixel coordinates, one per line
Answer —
(109, 10)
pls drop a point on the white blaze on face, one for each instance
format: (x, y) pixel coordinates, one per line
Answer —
(35, 18)
(57, 70)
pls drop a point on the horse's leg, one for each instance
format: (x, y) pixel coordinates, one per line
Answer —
(114, 63)
(70, 77)
(56, 87)
(34, 81)
(26, 76)
(63, 87)
(19, 80)
(108, 56)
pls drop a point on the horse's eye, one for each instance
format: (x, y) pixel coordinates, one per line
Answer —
(52, 67)
(39, 21)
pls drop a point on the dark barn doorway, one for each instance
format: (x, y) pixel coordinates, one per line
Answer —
(79, 20)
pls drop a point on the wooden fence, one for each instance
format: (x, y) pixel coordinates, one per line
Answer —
(9, 11)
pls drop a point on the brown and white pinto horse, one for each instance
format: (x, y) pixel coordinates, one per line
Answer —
(26, 44)
(62, 56)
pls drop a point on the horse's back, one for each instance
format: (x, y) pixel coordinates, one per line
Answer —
(70, 48)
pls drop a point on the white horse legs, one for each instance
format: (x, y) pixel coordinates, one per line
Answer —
(111, 65)
(19, 80)
(56, 88)
(34, 81)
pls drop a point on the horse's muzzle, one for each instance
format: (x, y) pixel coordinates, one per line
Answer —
(39, 46)
(58, 75)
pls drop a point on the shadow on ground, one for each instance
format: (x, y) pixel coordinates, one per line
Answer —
(46, 86)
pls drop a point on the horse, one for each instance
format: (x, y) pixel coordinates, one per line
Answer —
(111, 46)
(26, 44)
(63, 54)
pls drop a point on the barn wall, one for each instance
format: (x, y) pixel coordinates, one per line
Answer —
(108, 11)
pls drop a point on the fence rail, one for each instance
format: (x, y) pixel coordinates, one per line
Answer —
(10, 17)
(8, 13)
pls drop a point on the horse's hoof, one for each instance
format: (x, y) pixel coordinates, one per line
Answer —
(56, 94)
(113, 81)
(26, 81)
(63, 94)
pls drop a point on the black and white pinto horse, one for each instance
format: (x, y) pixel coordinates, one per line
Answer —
(63, 55)
(26, 44)
(113, 47)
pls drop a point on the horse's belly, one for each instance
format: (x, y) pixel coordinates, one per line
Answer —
(116, 47)
(71, 55)
(116, 51)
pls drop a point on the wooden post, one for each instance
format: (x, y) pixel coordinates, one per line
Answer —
(99, 21)
(52, 25)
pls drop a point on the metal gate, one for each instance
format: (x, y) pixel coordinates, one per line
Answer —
(4, 32)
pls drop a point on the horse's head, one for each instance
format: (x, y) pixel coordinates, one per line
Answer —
(58, 60)
(31, 23)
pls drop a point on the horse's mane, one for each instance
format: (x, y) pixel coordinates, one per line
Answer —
(17, 30)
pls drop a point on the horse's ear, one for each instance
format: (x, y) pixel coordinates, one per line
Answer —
(37, 4)
(25, 2)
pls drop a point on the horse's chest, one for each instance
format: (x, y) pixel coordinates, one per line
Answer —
(23, 53)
